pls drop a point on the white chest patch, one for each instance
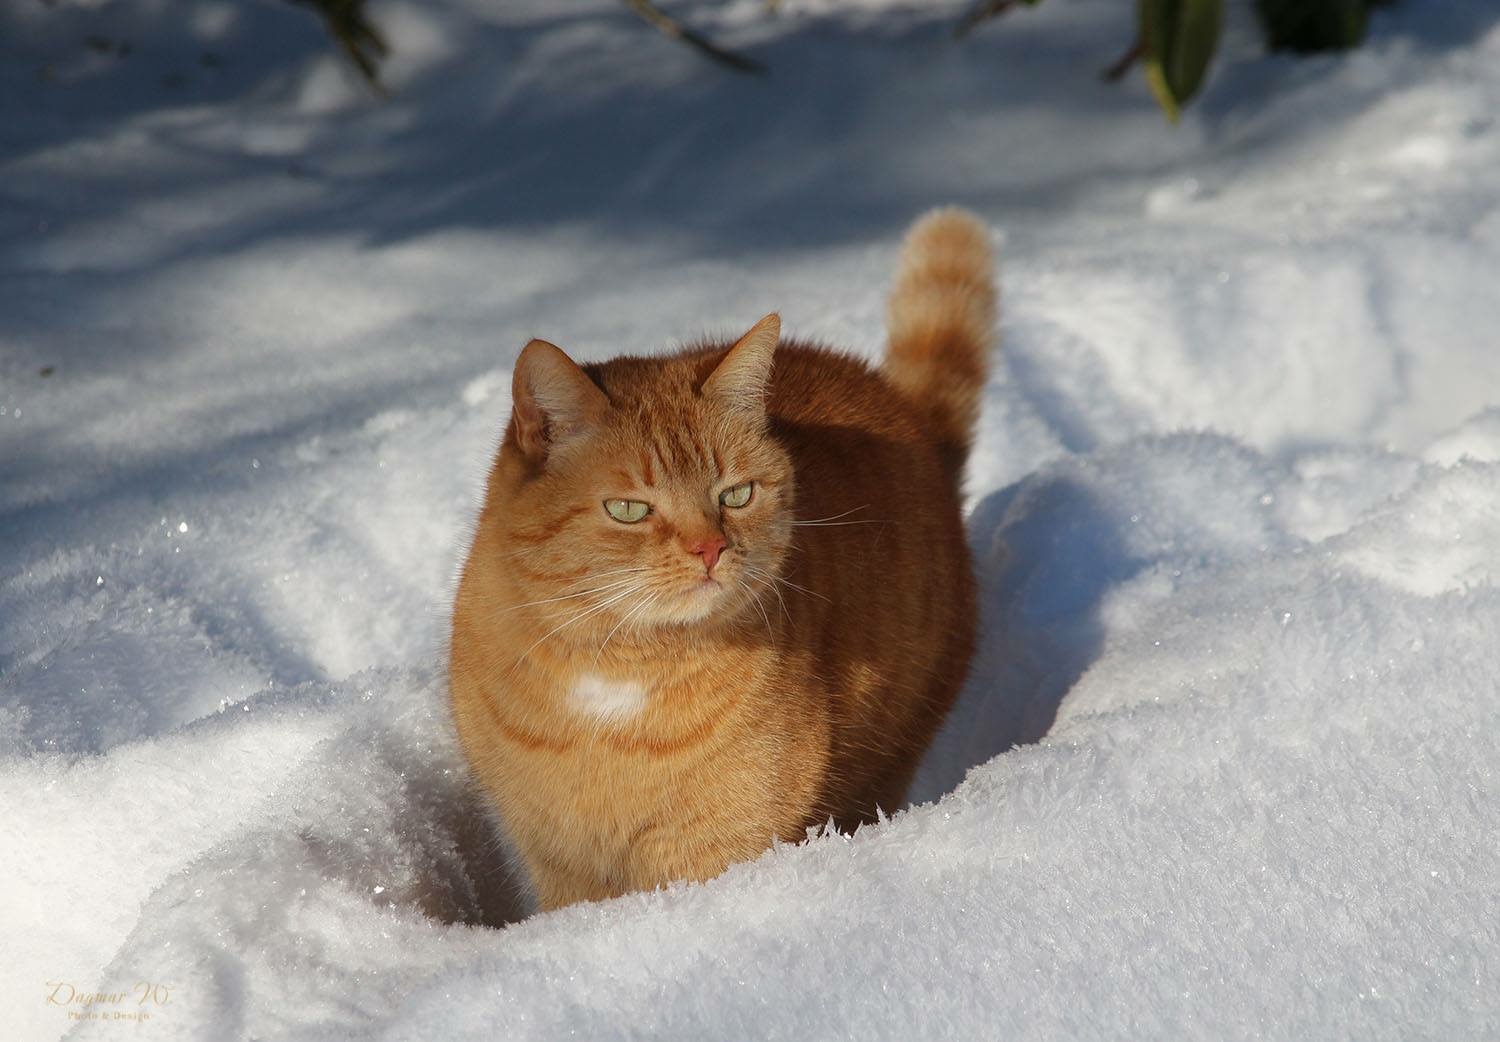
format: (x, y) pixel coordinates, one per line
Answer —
(604, 699)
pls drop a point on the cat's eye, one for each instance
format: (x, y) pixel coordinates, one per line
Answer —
(737, 496)
(627, 511)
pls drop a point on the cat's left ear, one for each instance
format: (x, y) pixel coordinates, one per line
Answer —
(741, 379)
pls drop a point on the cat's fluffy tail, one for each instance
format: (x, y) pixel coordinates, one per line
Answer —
(941, 321)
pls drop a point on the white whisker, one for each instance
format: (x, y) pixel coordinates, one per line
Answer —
(623, 619)
(830, 517)
(760, 577)
(569, 596)
(771, 633)
(603, 575)
(761, 608)
(789, 583)
(581, 615)
(642, 618)
(804, 589)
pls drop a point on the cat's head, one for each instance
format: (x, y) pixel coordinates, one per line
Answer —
(647, 492)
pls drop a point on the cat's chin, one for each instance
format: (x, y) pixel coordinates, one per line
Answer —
(698, 603)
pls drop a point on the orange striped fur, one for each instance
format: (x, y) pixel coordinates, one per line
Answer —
(652, 701)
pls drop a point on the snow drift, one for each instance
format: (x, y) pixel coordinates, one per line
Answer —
(1226, 764)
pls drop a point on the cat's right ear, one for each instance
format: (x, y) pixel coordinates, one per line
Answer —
(552, 399)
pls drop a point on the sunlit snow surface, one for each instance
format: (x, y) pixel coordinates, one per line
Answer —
(1236, 510)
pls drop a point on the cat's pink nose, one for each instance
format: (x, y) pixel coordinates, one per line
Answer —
(709, 549)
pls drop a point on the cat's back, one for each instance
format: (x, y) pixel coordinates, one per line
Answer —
(815, 390)
(819, 386)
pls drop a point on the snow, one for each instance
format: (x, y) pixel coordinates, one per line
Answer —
(1226, 766)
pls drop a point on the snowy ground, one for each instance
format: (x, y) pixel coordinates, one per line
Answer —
(1237, 513)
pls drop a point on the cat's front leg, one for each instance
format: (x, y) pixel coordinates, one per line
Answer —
(557, 885)
(665, 852)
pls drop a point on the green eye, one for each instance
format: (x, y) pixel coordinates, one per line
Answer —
(627, 511)
(737, 496)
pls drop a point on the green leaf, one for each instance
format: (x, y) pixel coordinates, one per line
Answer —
(1178, 38)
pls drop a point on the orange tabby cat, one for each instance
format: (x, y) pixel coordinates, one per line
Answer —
(720, 596)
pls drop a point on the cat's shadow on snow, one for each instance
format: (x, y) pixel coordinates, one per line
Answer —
(484, 886)
(1046, 551)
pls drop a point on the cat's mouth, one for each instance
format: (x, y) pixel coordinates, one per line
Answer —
(697, 599)
(705, 589)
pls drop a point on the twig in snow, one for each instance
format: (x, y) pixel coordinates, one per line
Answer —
(356, 35)
(675, 29)
(1121, 65)
(982, 12)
